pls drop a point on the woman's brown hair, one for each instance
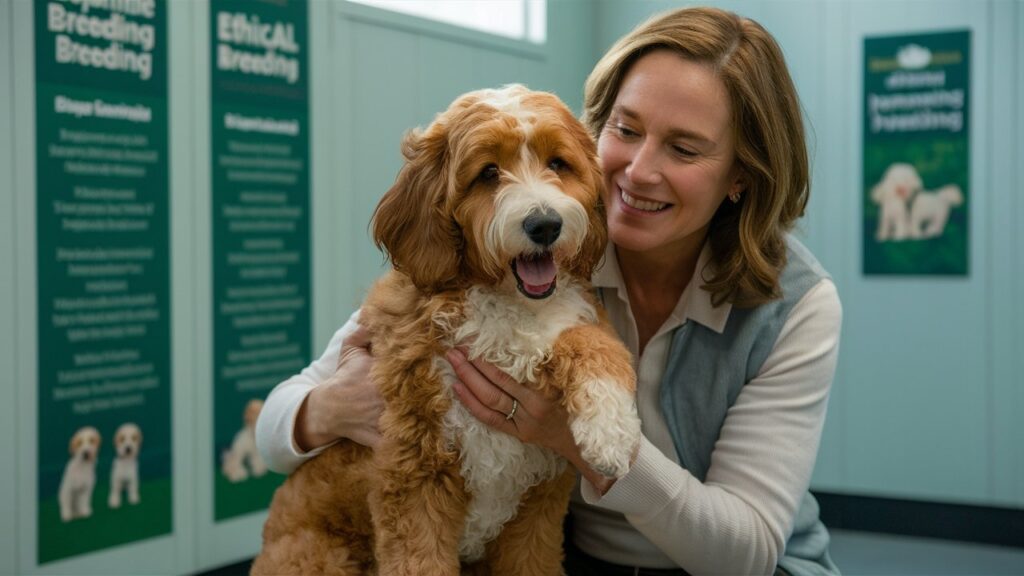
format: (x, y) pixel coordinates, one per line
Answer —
(747, 240)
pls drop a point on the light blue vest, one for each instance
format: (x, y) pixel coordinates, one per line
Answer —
(704, 375)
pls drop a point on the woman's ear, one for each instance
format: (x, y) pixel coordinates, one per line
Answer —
(413, 222)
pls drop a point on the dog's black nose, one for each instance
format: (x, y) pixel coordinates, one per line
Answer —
(543, 227)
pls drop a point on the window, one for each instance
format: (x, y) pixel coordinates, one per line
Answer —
(519, 19)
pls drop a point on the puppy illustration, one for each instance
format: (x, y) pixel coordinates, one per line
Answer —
(243, 450)
(892, 194)
(930, 211)
(124, 474)
(75, 494)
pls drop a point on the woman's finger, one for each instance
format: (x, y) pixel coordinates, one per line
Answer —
(482, 386)
(355, 344)
(527, 397)
(480, 411)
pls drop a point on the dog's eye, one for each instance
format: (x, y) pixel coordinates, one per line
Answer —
(489, 175)
(558, 164)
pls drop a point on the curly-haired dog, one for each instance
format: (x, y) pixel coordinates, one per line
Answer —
(892, 194)
(493, 228)
(930, 211)
(243, 450)
(79, 479)
(124, 473)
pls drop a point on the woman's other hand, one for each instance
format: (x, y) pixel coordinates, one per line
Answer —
(347, 405)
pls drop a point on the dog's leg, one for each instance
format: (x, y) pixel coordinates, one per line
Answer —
(318, 519)
(133, 484)
(600, 388)
(259, 468)
(116, 481)
(83, 502)
(418, 510)
(330, 556)
(531, 543)
(67, 503)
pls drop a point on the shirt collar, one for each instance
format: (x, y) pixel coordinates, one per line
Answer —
(695, 301)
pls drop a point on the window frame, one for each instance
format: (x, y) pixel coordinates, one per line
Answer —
(369, 14)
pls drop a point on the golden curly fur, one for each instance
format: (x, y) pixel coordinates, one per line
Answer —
(493, 228)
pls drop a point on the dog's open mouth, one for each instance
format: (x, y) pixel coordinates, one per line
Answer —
(535, 274)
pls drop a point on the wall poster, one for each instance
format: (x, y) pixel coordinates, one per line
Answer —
(916, 172)
(102, 232)
(261, 237)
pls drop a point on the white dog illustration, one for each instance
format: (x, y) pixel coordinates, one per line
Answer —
(124, 475)
(892, 193)
(243, 448)
(930, 210)
(75, 494)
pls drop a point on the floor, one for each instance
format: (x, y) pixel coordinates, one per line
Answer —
(865, 554)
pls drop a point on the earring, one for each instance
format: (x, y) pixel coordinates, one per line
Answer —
(735, 197)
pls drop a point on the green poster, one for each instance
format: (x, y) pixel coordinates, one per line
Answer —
(917, 154)
(102, 220)
(261, 246)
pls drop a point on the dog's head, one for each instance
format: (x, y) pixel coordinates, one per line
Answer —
(252, 412)
(951, 194)
(85, 444)
(900, 181)
(501, 189)
(127, 440)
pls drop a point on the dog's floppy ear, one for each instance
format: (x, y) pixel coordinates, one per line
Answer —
(592, 249)
(413, 222)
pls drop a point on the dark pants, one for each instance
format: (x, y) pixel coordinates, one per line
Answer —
(578, 563)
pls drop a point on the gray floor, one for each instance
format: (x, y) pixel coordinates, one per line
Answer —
(864, 554)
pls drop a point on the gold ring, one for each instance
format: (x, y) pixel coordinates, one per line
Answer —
(515, 405)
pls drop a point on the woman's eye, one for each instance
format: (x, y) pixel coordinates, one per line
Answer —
(683, 151)
(624, 131)
(558, 165)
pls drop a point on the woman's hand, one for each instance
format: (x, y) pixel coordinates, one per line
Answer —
(504, 404)
(347, 405)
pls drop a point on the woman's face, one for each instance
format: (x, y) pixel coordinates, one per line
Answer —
(668, 152)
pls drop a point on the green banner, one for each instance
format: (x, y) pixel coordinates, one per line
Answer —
(102, 225)
(261, 246)
(917, 154)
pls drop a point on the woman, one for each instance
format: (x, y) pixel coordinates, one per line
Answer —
(733, 325)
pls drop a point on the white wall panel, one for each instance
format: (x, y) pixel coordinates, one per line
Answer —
(184, 377)
(8, 303)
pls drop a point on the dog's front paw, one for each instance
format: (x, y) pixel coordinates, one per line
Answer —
(606, 427)
(114, 501)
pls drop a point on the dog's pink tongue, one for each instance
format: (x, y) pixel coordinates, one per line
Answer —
(536, 274)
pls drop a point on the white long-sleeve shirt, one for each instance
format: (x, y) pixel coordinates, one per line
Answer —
(660, 515)
(738, 520)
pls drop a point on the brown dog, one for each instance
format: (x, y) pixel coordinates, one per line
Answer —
(494, 228)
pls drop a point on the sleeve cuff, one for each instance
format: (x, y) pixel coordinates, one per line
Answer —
(645, 490)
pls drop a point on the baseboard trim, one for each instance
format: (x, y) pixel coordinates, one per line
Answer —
(962, 522)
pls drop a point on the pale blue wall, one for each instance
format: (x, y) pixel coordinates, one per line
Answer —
(929, 393)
